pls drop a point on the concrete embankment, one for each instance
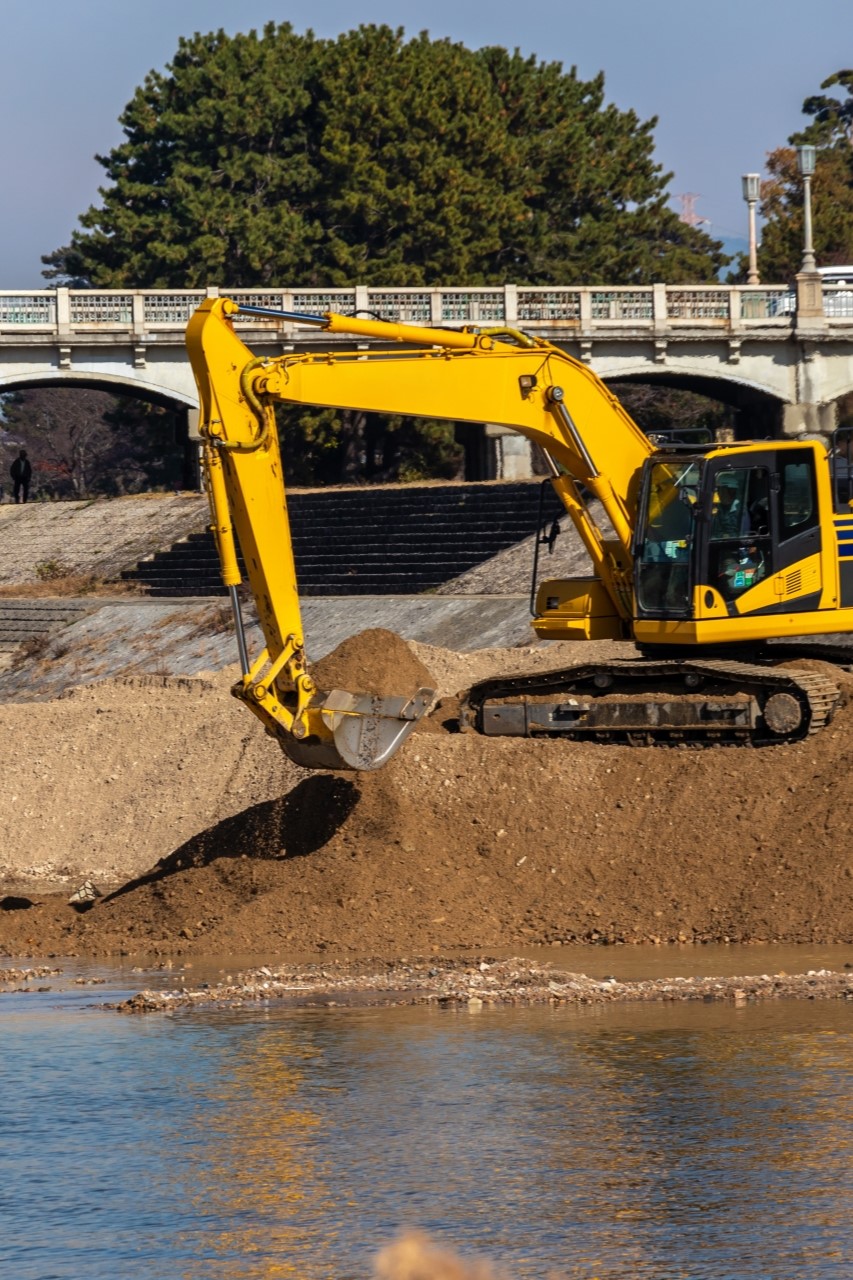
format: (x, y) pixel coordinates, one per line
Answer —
(75, 643)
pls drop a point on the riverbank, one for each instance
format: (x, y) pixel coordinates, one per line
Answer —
(466, 983)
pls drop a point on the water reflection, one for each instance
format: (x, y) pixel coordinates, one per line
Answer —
(729, 1141)
(259, 1175)
(702, 1142)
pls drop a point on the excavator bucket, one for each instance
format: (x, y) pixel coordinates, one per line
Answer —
(366, 730)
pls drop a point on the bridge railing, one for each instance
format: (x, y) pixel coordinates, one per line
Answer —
(838, 301)
(545, 308)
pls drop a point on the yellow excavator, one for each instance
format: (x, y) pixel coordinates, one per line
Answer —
(709, 553)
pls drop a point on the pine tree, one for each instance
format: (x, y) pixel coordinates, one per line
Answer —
(284, 159)
(831, 131)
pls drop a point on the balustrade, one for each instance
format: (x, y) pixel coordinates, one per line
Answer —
(100, 308)
(27, 308)
(552, 305)
(166, 309)
(838, 301)
(546, 308)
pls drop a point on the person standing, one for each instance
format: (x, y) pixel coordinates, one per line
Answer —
(20, 471)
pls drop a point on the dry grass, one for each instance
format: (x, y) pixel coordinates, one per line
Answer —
(68, 585)
(216, 620)
(30, 650)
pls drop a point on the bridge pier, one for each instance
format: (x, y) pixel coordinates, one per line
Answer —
(814, 406)
(192, 454)
(809, 419)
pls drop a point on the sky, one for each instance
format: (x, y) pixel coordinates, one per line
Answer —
(726, 79)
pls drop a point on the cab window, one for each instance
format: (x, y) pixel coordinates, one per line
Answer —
(664, 561)
(799, 502)
(740, 550)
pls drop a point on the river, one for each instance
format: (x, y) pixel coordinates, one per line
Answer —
(673, 1142)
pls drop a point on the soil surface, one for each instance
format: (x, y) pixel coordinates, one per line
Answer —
(202, 839)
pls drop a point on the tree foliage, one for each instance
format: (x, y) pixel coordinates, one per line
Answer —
(832, 123)
(85, 443)
(328, 446)
(831, 131)
(673, 413)
(284, 159)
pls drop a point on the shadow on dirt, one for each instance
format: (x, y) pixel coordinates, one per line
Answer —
(296, 825)
(14, 903)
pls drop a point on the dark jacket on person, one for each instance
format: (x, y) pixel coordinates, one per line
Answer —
(21, 470)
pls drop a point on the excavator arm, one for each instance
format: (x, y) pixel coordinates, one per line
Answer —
(494, 376)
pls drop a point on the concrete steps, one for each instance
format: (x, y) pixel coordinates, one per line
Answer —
(22, 620)
(401, 541)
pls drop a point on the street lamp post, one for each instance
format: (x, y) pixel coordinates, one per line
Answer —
(810, 312)
(751, 192)
(806, 157)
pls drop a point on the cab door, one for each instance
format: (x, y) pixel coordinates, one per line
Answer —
(798, 565)
(740, 552)
(664, 540)
(763, 532)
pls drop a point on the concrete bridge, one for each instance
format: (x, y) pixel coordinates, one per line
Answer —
(783, 359)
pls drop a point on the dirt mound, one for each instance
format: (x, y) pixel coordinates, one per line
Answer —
(375, 661)
(459, 842)
(109, 777)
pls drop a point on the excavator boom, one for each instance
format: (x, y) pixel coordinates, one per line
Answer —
(496, 376)
(418, 371)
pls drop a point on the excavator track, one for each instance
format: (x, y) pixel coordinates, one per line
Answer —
(649, 703)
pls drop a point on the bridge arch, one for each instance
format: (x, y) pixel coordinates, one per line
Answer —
(171, 446)
(720, 383)
(756, 411)
(151, 391)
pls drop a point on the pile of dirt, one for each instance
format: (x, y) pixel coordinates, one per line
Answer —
(460, 842)
(375, 661)
(107, 778)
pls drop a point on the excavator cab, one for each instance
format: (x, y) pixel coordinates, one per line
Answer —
(733, 545)
(728, 534)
